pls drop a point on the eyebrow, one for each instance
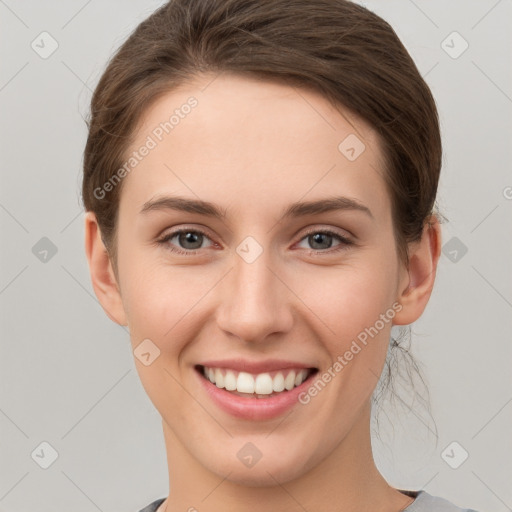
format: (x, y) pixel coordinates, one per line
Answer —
(294, 210)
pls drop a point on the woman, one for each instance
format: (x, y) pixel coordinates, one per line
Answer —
(260, 180)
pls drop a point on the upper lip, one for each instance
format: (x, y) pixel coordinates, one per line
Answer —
(244, 365)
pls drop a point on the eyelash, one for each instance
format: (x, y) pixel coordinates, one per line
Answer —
(344, 245)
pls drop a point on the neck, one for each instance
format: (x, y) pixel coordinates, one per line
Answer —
(347, 479)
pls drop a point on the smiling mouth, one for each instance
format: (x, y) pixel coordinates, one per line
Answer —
(261, 385)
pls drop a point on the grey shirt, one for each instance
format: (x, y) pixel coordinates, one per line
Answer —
(424, 502)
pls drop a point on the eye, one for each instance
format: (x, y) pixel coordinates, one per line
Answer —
(189, 239)
(321, 239)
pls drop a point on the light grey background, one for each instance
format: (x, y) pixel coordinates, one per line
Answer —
(67, 373)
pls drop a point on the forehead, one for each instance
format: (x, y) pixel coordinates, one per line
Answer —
(229, 138)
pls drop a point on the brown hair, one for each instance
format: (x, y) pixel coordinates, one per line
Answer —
(335, 47)
(338, 48)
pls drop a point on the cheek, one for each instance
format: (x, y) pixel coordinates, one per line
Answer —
(161, 301)
(347, 299)
(354, 315)
(162, 306)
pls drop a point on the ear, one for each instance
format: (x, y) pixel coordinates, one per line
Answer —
(417, 281)
(102, 274)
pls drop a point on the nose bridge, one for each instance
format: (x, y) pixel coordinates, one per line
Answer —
(254, 303)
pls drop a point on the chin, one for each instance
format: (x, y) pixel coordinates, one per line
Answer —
(268, 471)
(264, 476)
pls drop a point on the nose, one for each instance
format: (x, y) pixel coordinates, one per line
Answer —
(255, 301)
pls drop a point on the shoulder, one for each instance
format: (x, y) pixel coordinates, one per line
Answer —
(152, 507)
(425, 502)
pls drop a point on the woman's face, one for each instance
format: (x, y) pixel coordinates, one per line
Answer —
(261, 289)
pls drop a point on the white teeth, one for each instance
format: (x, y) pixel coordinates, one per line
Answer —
(301, 377)
(289, 382)
(230, 381)
(245, 383)
(219, 378)
(262, 384)
(278, 382)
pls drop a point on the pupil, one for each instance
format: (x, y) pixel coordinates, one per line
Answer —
(190, 238)
(317, 238)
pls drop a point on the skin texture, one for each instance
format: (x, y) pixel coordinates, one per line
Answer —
(252, 148)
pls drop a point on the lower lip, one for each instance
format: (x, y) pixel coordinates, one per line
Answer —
(254, 408)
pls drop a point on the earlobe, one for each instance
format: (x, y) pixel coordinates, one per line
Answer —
(102, 274)
(416, 287)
